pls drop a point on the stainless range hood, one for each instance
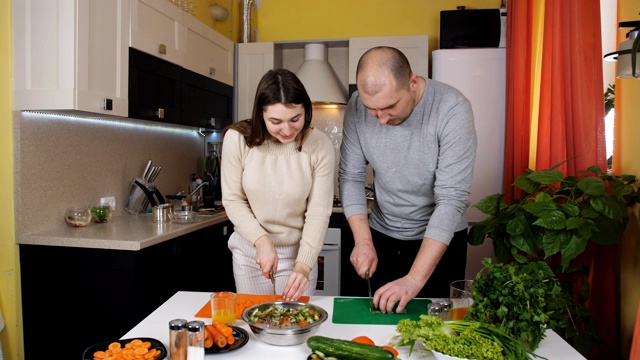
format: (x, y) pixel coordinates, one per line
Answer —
(318, 77)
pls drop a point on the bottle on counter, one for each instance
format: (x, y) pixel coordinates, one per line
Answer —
(195, 348)
(447, 305)
(178, 339)
(435, 309)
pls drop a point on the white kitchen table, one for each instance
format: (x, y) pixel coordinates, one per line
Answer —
(185, 305)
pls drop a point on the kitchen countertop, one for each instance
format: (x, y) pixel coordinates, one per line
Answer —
(186, 304)
(125, 232)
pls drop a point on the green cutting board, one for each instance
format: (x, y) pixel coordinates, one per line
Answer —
(356, 311)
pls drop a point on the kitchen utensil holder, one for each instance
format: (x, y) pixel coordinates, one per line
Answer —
(137, 203)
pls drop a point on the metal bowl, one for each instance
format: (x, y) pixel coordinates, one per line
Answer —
(283, 336)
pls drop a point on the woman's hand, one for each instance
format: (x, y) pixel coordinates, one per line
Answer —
(266, 256)
(298, 282)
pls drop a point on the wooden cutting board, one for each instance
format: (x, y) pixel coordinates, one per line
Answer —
(205, 311)
(356, 311)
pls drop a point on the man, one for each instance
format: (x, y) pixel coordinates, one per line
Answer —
(419, 138)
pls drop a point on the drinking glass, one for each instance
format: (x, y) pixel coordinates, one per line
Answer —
(461, 297)
(223, 307)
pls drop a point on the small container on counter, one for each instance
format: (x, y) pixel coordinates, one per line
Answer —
(447, 305)
(178, 339)
(78, 216)
(435, 309)
(195, 348)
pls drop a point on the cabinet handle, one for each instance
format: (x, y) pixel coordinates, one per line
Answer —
(162, 49)
(212, 121)
(212, 71)
(107, 104)
(160, 113)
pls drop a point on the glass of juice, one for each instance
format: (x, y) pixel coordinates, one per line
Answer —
(461, 298)
(223, 307)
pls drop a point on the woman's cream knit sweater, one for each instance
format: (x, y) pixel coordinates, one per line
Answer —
(275, 190)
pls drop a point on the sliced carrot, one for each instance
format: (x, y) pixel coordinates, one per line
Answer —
(363, 340)
(208, 340)
(218, 339)
(231, 339)
(391, 350)
(114, 345)
(99, 355)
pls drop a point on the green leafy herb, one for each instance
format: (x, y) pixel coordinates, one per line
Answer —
(460, 338)
(517, 298)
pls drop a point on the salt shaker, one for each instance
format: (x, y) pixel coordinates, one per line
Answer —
(178, 339)
(447, 305)
(435, 309)
(195, 349)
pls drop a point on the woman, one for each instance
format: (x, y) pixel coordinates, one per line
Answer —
(277, 189)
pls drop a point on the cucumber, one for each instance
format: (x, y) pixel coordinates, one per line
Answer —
(347, 350)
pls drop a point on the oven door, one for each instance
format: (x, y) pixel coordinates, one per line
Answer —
(329, 265)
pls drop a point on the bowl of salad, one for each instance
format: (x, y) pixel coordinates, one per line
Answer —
(284, 323)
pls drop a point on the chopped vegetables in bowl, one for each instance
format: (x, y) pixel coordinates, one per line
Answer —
(285, 317)
(284, 323)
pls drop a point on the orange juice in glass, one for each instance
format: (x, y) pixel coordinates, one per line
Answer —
(223, 307)
(461, 298)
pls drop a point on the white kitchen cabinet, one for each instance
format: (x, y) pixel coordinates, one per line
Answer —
(206, 51)
(162, 29)
(71, 55)
(415, 48)
(156, 28)
(254, 60)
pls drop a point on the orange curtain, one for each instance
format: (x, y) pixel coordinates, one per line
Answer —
(518, 91)
(568, 123)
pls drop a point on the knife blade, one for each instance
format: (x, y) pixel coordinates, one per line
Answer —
(273, 282)
(366, 277)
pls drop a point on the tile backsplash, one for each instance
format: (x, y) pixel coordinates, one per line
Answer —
(62, 161)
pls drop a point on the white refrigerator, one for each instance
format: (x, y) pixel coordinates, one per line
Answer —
(480, 74)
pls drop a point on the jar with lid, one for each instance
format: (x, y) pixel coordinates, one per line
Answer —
(447, 305)
(435, 309)
(195, 348)
(178, 339)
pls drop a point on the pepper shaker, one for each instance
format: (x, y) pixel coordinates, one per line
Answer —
(178, 339)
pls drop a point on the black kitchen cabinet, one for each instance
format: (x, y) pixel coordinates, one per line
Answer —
(154, 88)
(165, 92)
(205, 102)
(81, 296)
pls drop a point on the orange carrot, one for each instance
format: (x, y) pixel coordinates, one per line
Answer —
(208, 340)
(223, 328)
(218, 339)
(231, 339)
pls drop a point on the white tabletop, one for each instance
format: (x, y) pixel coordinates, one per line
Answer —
(185, 305)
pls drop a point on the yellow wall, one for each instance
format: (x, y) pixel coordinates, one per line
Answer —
(283, 20)
(9, 283)
(626, 161)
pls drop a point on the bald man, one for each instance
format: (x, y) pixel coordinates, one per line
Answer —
(418, 136)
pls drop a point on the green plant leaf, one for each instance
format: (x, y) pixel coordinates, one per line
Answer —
(573, 223)
(592, 186)
(621, 189)
(517, 224)
(477, 235)
(608, 231)
(552, 241)
(607, 207)
(587, 228)
(574, 247)
(571, 209)
(546, 177)
(553, 220)
(522, 243)
(589, 213)
(540, 209)
(491, 204)
(526, 184)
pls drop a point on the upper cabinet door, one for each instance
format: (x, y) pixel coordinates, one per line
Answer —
(254, 60)
(206, 52)
(71, 55)
(415, 48)
(156, 26)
